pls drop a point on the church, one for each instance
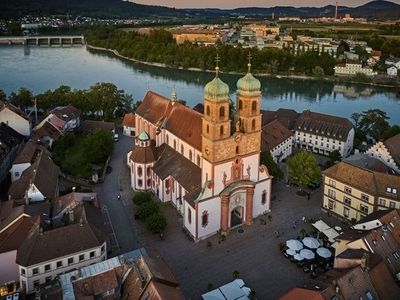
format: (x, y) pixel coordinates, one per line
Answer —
(205, 164)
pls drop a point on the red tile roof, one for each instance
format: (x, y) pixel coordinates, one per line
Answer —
(393, 145)
(273, 134)
(129, 120)
(301, 294)
(154, 108)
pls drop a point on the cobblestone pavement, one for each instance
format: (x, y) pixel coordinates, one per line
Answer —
(254, 253)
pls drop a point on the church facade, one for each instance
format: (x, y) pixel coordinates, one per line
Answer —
(207, 167)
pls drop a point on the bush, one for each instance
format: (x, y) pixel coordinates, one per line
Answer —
(147, 209)
(156, 223)
(236, 274)
(141, 197)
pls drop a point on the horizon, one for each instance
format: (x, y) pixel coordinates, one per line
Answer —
(232, 4)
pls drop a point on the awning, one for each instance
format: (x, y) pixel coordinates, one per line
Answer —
(331, 234)
(321, 225)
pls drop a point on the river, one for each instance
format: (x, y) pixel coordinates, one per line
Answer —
(42, 68)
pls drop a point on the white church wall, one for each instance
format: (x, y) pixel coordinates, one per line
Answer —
(189, 223)
(258, 207)
(213, 208)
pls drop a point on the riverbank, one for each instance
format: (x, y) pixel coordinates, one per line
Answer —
(295, 77)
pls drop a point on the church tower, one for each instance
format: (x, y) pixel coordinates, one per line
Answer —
(248, 103)
(216, 125)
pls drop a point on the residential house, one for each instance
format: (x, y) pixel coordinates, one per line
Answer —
(388, 152)
(374, 57)
(136, 275)
(392, 71)
(15, 118)
(37, 183)
(351, 69)
(47, 133)
(393, 61)
(129, 124)
(277, 139)
(321, 133)
(89, 126)
(26, 158)
(46, 254)
(63, 118)
(10, 143)
(357, 187)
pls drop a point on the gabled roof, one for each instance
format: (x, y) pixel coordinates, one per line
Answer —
(9, 138)
(324, 125)
(66, 113)
(29, 153)
(393, 145)
(14, 109)
(47, 129)
(129, 120)
(273, 134)
(89, 126)
(154, 108)
(302, 294)
(172, 163)
(43, 173)
(48, 245)
(286, 116)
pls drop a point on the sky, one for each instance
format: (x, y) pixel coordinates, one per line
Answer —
(248, 3)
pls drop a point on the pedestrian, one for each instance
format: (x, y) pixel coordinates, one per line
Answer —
(119, 197)
(294, 225)
(161, 236)
(304, 219)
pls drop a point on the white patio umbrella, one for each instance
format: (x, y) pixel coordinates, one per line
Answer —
(311, 243)
(323, 252)
(291, 252)
(307, 254)
(294, 245)
(298, 257)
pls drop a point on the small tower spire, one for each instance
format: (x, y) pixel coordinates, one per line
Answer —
(217, 59)
(249, 64)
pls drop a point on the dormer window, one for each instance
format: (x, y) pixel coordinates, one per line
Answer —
(391, 190)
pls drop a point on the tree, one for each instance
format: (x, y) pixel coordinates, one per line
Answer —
(318, 72)
(3, 96)
(156, 223)
(98, 146)
(141, 197)
(146, 209)
(303, 169)
(374, 123)
(334, 157)
(273, 168)
(361, 52)
(23, 99)
(392, 131)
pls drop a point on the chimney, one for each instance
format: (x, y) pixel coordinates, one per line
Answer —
(173, 96)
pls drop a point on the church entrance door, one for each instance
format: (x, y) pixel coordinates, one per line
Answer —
(236, 216)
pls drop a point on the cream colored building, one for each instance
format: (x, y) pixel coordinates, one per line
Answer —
(350, 69)
(15, 118)
(263, 30)
(388, 152)
(352, 192)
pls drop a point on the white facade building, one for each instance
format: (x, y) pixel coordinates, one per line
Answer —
(350, 69)
(392, 71)
(210, 175)
(15, 118)
(278, 140)
(45, 255)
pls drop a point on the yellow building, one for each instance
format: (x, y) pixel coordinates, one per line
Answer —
(352, 190)
(196, 36)
(262, 30)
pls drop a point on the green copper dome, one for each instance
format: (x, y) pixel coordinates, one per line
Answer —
(144, 136)
(216, 90)
(248, 84)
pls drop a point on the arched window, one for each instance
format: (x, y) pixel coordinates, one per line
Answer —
(182, 150)
(167, 139)
(253, 106)
(264, 197)
(208, 110)
(198, 160)
(174, 144)
(148, 171)
(240, 105)
(237, 149)
(140, 183)
(221, 112)
(253, 124)
(140, 171)
(208, 128)
(204, 219)
(221, 130)
(189, 215)
(190, 155)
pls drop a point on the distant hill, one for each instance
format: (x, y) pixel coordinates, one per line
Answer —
(117, 8)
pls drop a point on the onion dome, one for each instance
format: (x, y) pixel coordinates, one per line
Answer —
(144, 137)
(249, 85)
(216, 89)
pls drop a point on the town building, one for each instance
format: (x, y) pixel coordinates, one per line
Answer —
(136, 275)
(359, 186)
(15, 118)
(63, 118)
(10, 143)
(321, 133)
(263, 29)
(388, 152)
(47, 134)
(26, 158)
(209, 171)
(351, 69)
(46, 254)
(392, 71)
(37, 183)
(129, 124)
(278, 140)
(393, 61)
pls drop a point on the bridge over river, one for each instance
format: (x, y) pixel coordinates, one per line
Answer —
(51, 41)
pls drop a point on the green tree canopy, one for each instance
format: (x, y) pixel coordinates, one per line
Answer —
(334, 157)
(392, 131)
(374, 123)
(141, 197)
(156, 223)
(146, 209)
(304, 169)
(273, 168)
(98, 146)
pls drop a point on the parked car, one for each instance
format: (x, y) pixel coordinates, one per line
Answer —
(116, 137)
